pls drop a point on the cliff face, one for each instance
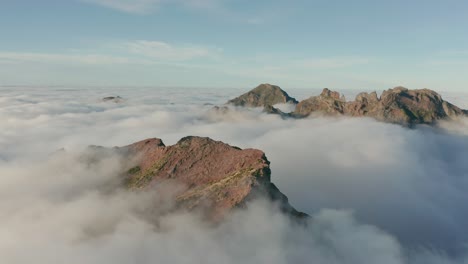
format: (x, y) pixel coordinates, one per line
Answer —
(210, 175)
(263, 95)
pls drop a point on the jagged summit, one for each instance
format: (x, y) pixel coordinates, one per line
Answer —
(399, 105)
(335, 95)
(210, 176)
(263, 95)
(328, 102)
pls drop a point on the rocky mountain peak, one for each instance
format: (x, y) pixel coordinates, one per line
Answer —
(398, 105)
(263, 95)
(332, 94)
(210, 175)
(367, 97)
(328, 103)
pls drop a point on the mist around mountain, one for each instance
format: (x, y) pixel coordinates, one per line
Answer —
(376, 192)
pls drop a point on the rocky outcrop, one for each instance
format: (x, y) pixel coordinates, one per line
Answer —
(403, 106)
(275, 111)
(328, 102)
(263, 95)
(115, 99)
(219, 110)
(365, 104)
(211, 176)
(398, 105)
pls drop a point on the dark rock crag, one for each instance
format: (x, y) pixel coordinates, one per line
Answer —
(115, 99)
(263, 95)
(212, 176)
(273, 110)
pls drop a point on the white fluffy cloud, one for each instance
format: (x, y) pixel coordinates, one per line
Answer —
(377, 193)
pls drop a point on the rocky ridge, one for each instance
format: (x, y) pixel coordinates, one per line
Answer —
(210, 175)
(398, 105)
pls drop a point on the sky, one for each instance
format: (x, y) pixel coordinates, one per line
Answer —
(362, 44)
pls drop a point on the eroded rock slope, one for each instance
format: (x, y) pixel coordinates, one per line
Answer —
(210, 175)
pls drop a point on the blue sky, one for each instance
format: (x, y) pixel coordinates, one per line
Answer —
(362, 44)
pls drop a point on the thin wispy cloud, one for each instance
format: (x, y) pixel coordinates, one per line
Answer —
(332, 62)
(276, 68)
(216, 8)
(150, 6)
(129, 6)
(165, 51)
(131, 52)
(95, 59)
(449, 57)
(160, 52)
(449, 62)
(453, 53)
(130, 58)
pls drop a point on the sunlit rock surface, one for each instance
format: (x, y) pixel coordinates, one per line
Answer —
(211, 176)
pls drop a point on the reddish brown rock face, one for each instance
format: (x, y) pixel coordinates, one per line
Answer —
(211, 175)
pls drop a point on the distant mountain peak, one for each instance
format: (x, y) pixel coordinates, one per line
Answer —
(263, 95)
(398, 105)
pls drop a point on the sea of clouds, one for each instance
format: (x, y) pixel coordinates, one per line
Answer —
(377, 193)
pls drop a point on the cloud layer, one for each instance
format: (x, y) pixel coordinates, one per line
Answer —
(377, 193)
